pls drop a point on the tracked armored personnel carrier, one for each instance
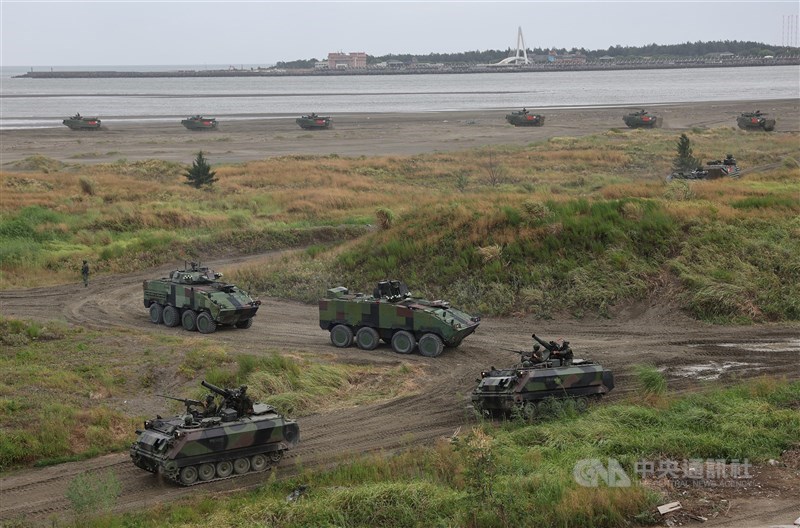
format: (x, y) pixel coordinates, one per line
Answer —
(546, 374)
(195, 298)
(314, 122)
(711, 171)
(524, 118)
(213, 442)
(642, 119)
(392, 315)
(198, 122)
(79, 122)
(755, 121)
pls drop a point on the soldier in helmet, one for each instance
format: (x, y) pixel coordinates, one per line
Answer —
(209, 406)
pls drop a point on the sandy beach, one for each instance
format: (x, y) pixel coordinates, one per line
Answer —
(257, 137)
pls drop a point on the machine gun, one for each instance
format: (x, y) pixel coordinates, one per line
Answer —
(562, 352)
(186, 401)
(233, 398)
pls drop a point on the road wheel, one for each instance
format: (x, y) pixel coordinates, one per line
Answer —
(206, 471)
(341, 336)
(247, 323)
(258, 462)
(224, 469)
(189, 320)
(367, 338)
(156, 313)
(188, 475)
(275, 456)
(241, 466)
(205, 323)
(172, 316)
(581, 404)
(403, 342)
(430, 345)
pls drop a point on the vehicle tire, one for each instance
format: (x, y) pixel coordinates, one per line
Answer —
(224, 469)
(244, 325)
(241, 466)
(188, 475)
(341, 336)
(205, 324)
(275, 456)
(367, 338)
(403, 342)
(206, 471)
(156, 313)
(189, 320)
(581, 404)
(258, 463)
(430, 345)
(172, 317)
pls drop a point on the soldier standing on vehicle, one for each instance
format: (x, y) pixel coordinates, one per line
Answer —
(85, 273)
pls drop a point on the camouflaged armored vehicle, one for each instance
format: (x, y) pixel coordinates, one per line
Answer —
(711, 171)
(198, 122)
(548, 373)
(392, 315)
(755, 121)
(214, 442)
(642, 119)
(78, 122)
(313, 121)
(524, 118)
(195, 298)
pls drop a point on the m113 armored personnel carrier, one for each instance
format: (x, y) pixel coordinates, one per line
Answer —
(214, 442)
(393, 315)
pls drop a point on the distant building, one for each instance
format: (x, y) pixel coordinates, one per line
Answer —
(338, 61)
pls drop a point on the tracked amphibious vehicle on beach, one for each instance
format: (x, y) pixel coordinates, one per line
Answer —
(755, 121)
(79, 122)
(642, 119)
(214, 442)
(314, 122)
(524, 118)
(198, 122)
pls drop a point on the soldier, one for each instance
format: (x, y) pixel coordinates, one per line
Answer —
(85, 273)
(210, 407)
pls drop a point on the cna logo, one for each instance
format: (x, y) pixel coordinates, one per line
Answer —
(590, 472)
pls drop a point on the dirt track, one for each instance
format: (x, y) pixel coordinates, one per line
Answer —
(644, 333)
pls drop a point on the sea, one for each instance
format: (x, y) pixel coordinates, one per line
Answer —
(43, 103)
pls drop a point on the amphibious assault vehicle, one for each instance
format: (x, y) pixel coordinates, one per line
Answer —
(79, 122)
(546, 374)
(198, 122)
(213, 442)
(711, 171)
(195, 298)
(523, 118)
(313, 121)
(392, 315)
(755, 121)
(642, 119)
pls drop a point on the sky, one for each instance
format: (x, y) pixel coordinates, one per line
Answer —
(66, 33)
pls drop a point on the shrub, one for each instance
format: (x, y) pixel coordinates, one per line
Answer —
(385, 217)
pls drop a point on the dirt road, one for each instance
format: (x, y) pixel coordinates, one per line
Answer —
(687, 349)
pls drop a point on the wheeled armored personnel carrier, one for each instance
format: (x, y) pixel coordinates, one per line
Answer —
(642, 119)
(548, 373)
(313, 121)
(214, 442)
(79, 122)
(524, 118)
(198, 122)
(755, 121)
(195, 298)
(393, 315)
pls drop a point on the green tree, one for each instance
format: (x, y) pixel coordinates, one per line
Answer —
(685, 160)
(200, 174)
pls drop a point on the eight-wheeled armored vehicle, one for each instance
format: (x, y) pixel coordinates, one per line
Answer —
(313, 121)
(524, 118)
(198, 122)
(755, 121)
(214, 442)
(548, 373)
(79, 122)
(642, 119)
(393, 315)
(195, 298)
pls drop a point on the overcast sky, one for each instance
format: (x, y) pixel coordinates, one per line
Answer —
(261, 33)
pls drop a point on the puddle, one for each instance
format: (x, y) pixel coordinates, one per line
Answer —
(789, 345)
(711, 370)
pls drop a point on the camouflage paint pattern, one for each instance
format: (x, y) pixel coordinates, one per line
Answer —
(755, 120)
(525, 119)
(642, 119)
(313, 121)
(200, 123)
(82, 123)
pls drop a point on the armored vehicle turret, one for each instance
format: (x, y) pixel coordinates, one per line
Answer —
(642, 119)
(524, 118)
(198, 122)
(195, 298)
(549, 372)
(214, 441)
(79, 122)
(393, 315)
(313, 121)
(755, 121)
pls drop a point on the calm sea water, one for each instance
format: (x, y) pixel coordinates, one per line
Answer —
(26, 103)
